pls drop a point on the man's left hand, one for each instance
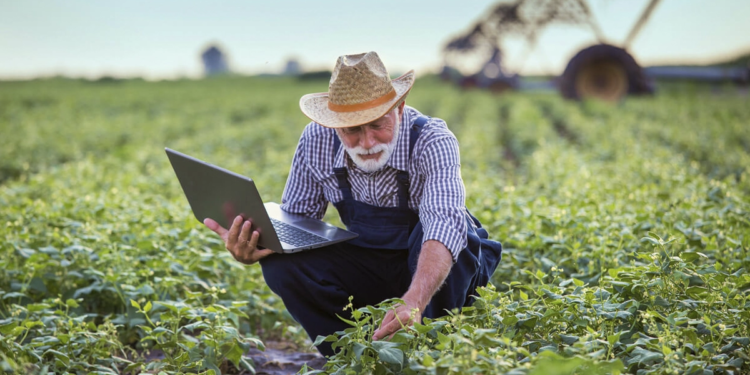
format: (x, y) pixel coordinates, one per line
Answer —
(402, 315)
(433, 266)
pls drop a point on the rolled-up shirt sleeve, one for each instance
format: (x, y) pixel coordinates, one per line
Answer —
(302, 194)
(441, 210)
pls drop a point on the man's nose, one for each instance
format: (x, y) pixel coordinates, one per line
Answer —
(367, 140)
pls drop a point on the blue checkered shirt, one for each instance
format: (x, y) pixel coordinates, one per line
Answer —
(436, 191)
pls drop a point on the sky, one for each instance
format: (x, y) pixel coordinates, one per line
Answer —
(162, 39)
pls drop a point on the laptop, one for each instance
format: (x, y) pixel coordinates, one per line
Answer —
(221, 195)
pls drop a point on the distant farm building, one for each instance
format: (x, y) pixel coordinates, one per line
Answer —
(292, 68)
(214, 61)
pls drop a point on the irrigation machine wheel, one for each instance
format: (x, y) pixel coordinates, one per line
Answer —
(603, 72)
(604, 80)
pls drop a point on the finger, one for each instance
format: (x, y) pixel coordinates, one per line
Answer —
(234, 231)
(214, 226)
(402, 319)
(389, 316)
(253, 241)
(260, 254)
(389, 329)
(244, 233)
(380, 333)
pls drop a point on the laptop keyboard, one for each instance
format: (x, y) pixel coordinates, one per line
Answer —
(295, 236)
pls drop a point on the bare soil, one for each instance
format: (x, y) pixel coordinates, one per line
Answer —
(281, 359)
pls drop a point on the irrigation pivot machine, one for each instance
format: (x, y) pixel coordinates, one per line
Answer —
(602, 70)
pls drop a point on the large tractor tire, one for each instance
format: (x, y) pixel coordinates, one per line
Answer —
(603, 72)
(500, 86)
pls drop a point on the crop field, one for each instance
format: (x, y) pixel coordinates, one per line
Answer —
(626, 231)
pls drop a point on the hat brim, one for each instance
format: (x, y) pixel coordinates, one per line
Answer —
(315, 106)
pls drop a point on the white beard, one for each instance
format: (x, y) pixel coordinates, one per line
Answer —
(372, 165)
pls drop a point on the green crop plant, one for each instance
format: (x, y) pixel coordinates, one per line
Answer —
(626, 232)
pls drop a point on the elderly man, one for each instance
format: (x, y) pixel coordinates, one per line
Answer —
(394, 176)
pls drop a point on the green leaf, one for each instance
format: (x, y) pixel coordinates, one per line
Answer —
(529, 323)
(34, 307)
(14, 295)
(422, 329)
(319, 340)
(26, 253)
(641, 356)
(613, 272)
(33, 323)
(257, 342)
(696, 292)
(347, 321)
(135, 304)
(235, 355)
(357, 314)
(60, 356)
(443, 341)
(510, 320)
(132, 367)
(624, 315)
(190, 327)
(659, 301)
(651, 240)
(147, 308)
(391, 355)
(551, 295)
(569, 340)
(71, 303)
(550, 363)
(358, 349)
(17, 331)
(612, 339)
(8, 328)
(63, 338)
(690, 256)
(382, 344)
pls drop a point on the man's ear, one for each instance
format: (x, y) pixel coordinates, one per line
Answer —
(401, 108)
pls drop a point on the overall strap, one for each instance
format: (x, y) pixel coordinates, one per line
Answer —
(416, 130)
(402, 177)
(341, 174)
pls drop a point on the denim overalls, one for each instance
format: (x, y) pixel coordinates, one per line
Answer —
(315, 285)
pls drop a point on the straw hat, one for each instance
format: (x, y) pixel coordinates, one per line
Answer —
(360, 92)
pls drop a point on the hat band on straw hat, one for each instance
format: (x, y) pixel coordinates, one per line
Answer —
(362, 106)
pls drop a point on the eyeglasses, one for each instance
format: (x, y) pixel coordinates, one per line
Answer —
(358, 129)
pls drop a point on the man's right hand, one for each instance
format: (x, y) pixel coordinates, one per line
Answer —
(239, 241)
